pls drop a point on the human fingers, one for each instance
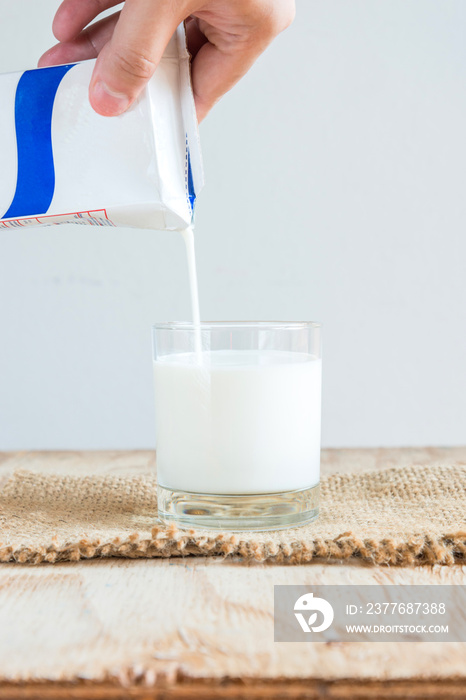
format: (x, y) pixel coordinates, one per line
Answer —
(195, 39)
(129, 59)
(226, 57)
(73, 15)
(87, 44)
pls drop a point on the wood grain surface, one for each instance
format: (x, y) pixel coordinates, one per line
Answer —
(202, 627)
(238, 690)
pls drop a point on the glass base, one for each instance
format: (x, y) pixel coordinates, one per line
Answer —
(237, 512)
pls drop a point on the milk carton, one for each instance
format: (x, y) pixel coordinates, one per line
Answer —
(60, 162)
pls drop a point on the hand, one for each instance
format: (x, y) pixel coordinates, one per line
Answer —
(224, 38)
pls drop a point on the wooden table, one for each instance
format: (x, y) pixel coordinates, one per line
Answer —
(202, 627)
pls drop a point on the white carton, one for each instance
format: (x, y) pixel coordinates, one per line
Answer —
(61, 162)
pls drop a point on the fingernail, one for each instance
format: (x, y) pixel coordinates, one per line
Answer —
(108, 102)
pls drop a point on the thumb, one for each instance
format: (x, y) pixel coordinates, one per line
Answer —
(130, 58)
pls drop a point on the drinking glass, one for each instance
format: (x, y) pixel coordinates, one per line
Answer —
(238, 412)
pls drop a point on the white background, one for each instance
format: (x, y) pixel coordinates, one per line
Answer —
(335, 191)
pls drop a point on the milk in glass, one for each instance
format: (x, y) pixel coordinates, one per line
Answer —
(238, 421)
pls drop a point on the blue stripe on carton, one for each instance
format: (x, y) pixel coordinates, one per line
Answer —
(35, 184)
(188, 177)
(191, 192)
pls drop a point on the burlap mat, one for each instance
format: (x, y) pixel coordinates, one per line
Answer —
(409, 515)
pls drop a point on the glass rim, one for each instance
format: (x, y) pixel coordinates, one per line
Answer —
(223, 325)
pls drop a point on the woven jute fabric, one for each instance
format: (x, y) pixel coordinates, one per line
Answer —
(409, 515)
